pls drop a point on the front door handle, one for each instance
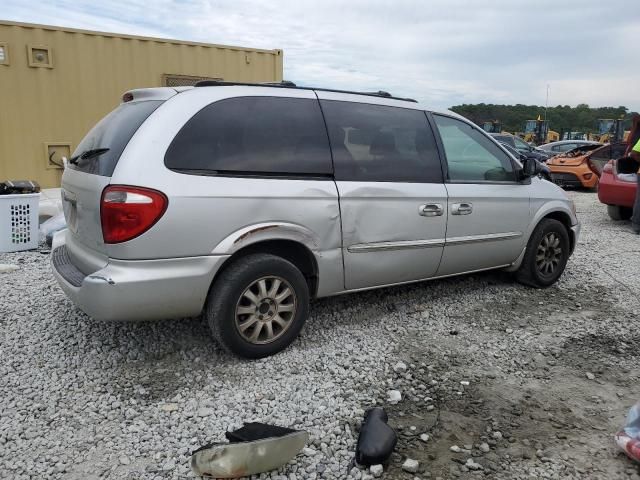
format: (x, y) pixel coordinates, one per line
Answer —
(431, 210)
(461, 208)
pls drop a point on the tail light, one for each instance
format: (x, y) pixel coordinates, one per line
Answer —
(608, 167)
(127, 212)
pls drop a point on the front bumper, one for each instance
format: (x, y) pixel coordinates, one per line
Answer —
(137, 290)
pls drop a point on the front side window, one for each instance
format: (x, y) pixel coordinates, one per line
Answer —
(376, 143)
(254, 135)
(472, 157)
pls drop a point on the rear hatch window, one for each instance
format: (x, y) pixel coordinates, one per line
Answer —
(100, 149)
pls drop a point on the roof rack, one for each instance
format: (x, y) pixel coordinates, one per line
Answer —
(288, 84)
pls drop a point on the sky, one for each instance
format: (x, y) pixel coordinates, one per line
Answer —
(441, 52)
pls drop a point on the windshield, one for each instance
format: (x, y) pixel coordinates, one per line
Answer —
(105, 142)
(521, 145)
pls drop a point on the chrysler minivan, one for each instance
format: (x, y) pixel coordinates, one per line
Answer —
(244, 202)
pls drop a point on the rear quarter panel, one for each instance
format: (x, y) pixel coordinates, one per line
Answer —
(210, 215)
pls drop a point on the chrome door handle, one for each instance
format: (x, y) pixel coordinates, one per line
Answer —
(431, 210)
(461, 208)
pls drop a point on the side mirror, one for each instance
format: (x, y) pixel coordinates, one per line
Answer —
(530, 168)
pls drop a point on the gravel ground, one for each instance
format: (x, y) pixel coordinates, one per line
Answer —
(506, 381)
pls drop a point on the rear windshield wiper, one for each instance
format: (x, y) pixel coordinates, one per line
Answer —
(94, 152)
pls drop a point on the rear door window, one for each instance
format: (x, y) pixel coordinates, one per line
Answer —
(377, 143)
(110, 134)
(253, 135)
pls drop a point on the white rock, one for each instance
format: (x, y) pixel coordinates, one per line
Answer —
(169, 407)
(590, 376)
(464, 383)
(400, 367)
(484, 447)
(376, 470)
(471, 465)
(424, 437)
(309, 452)
(410, 465)
(394, 396)
(455, 448)
(497, 435)
(8, 268)
(124, 460)
(205, 412)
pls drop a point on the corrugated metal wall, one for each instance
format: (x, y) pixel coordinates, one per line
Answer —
(56, 83)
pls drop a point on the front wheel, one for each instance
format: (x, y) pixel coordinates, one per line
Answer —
(258, 305)
(546, 256)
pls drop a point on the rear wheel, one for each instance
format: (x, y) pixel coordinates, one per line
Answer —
(616, 212)
(258, 305)
(546, 256)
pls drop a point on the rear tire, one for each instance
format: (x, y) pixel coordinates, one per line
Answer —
(258, 305)
(617, 213)
(546, 256)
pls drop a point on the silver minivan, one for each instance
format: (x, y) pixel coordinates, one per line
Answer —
(244, 202)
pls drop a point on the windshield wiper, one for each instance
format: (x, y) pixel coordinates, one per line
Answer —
(94, 152)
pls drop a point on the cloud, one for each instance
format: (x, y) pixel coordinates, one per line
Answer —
(442, 52)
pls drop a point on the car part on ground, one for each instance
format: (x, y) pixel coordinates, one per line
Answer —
(376, 440)
(255, 448)
(243, 202)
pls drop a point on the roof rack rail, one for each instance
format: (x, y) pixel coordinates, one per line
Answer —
(289, 84)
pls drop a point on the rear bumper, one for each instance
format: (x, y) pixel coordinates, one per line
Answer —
(137, 290)
(573, 177)
(612, 191)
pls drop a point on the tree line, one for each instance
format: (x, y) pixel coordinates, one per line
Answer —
(581, 118)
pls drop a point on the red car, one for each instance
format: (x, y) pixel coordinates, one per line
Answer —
(618, 180)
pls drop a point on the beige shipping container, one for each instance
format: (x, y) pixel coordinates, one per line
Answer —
(56, 83)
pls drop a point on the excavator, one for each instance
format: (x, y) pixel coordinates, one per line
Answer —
(492, 126)
(537, 132)
(609, 130)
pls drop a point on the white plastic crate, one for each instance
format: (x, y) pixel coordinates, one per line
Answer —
(19, 222)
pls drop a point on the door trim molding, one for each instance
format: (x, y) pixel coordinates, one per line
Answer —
(490, 237)
(399, 245)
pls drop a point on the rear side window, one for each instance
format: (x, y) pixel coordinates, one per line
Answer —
(111, 134)
(253, 135)
(377, 143)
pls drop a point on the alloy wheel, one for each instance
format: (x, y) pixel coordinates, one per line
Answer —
(265, 310)
(549, 254)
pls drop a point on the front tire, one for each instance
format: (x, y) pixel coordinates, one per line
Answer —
(617, 213)
(546, 256)
(258, 305)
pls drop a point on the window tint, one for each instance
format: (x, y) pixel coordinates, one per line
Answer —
(270, 135)
(377, 143)
(113, 132)
(471, 156)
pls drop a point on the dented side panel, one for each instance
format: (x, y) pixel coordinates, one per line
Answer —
(386, 238)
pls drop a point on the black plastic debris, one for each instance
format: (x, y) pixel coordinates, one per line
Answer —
(376, 440)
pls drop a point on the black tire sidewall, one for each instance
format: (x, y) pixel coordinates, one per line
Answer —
(232, 283)
(547, 226)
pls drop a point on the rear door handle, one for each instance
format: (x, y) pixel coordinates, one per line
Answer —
(431, 210)
(461, 208)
